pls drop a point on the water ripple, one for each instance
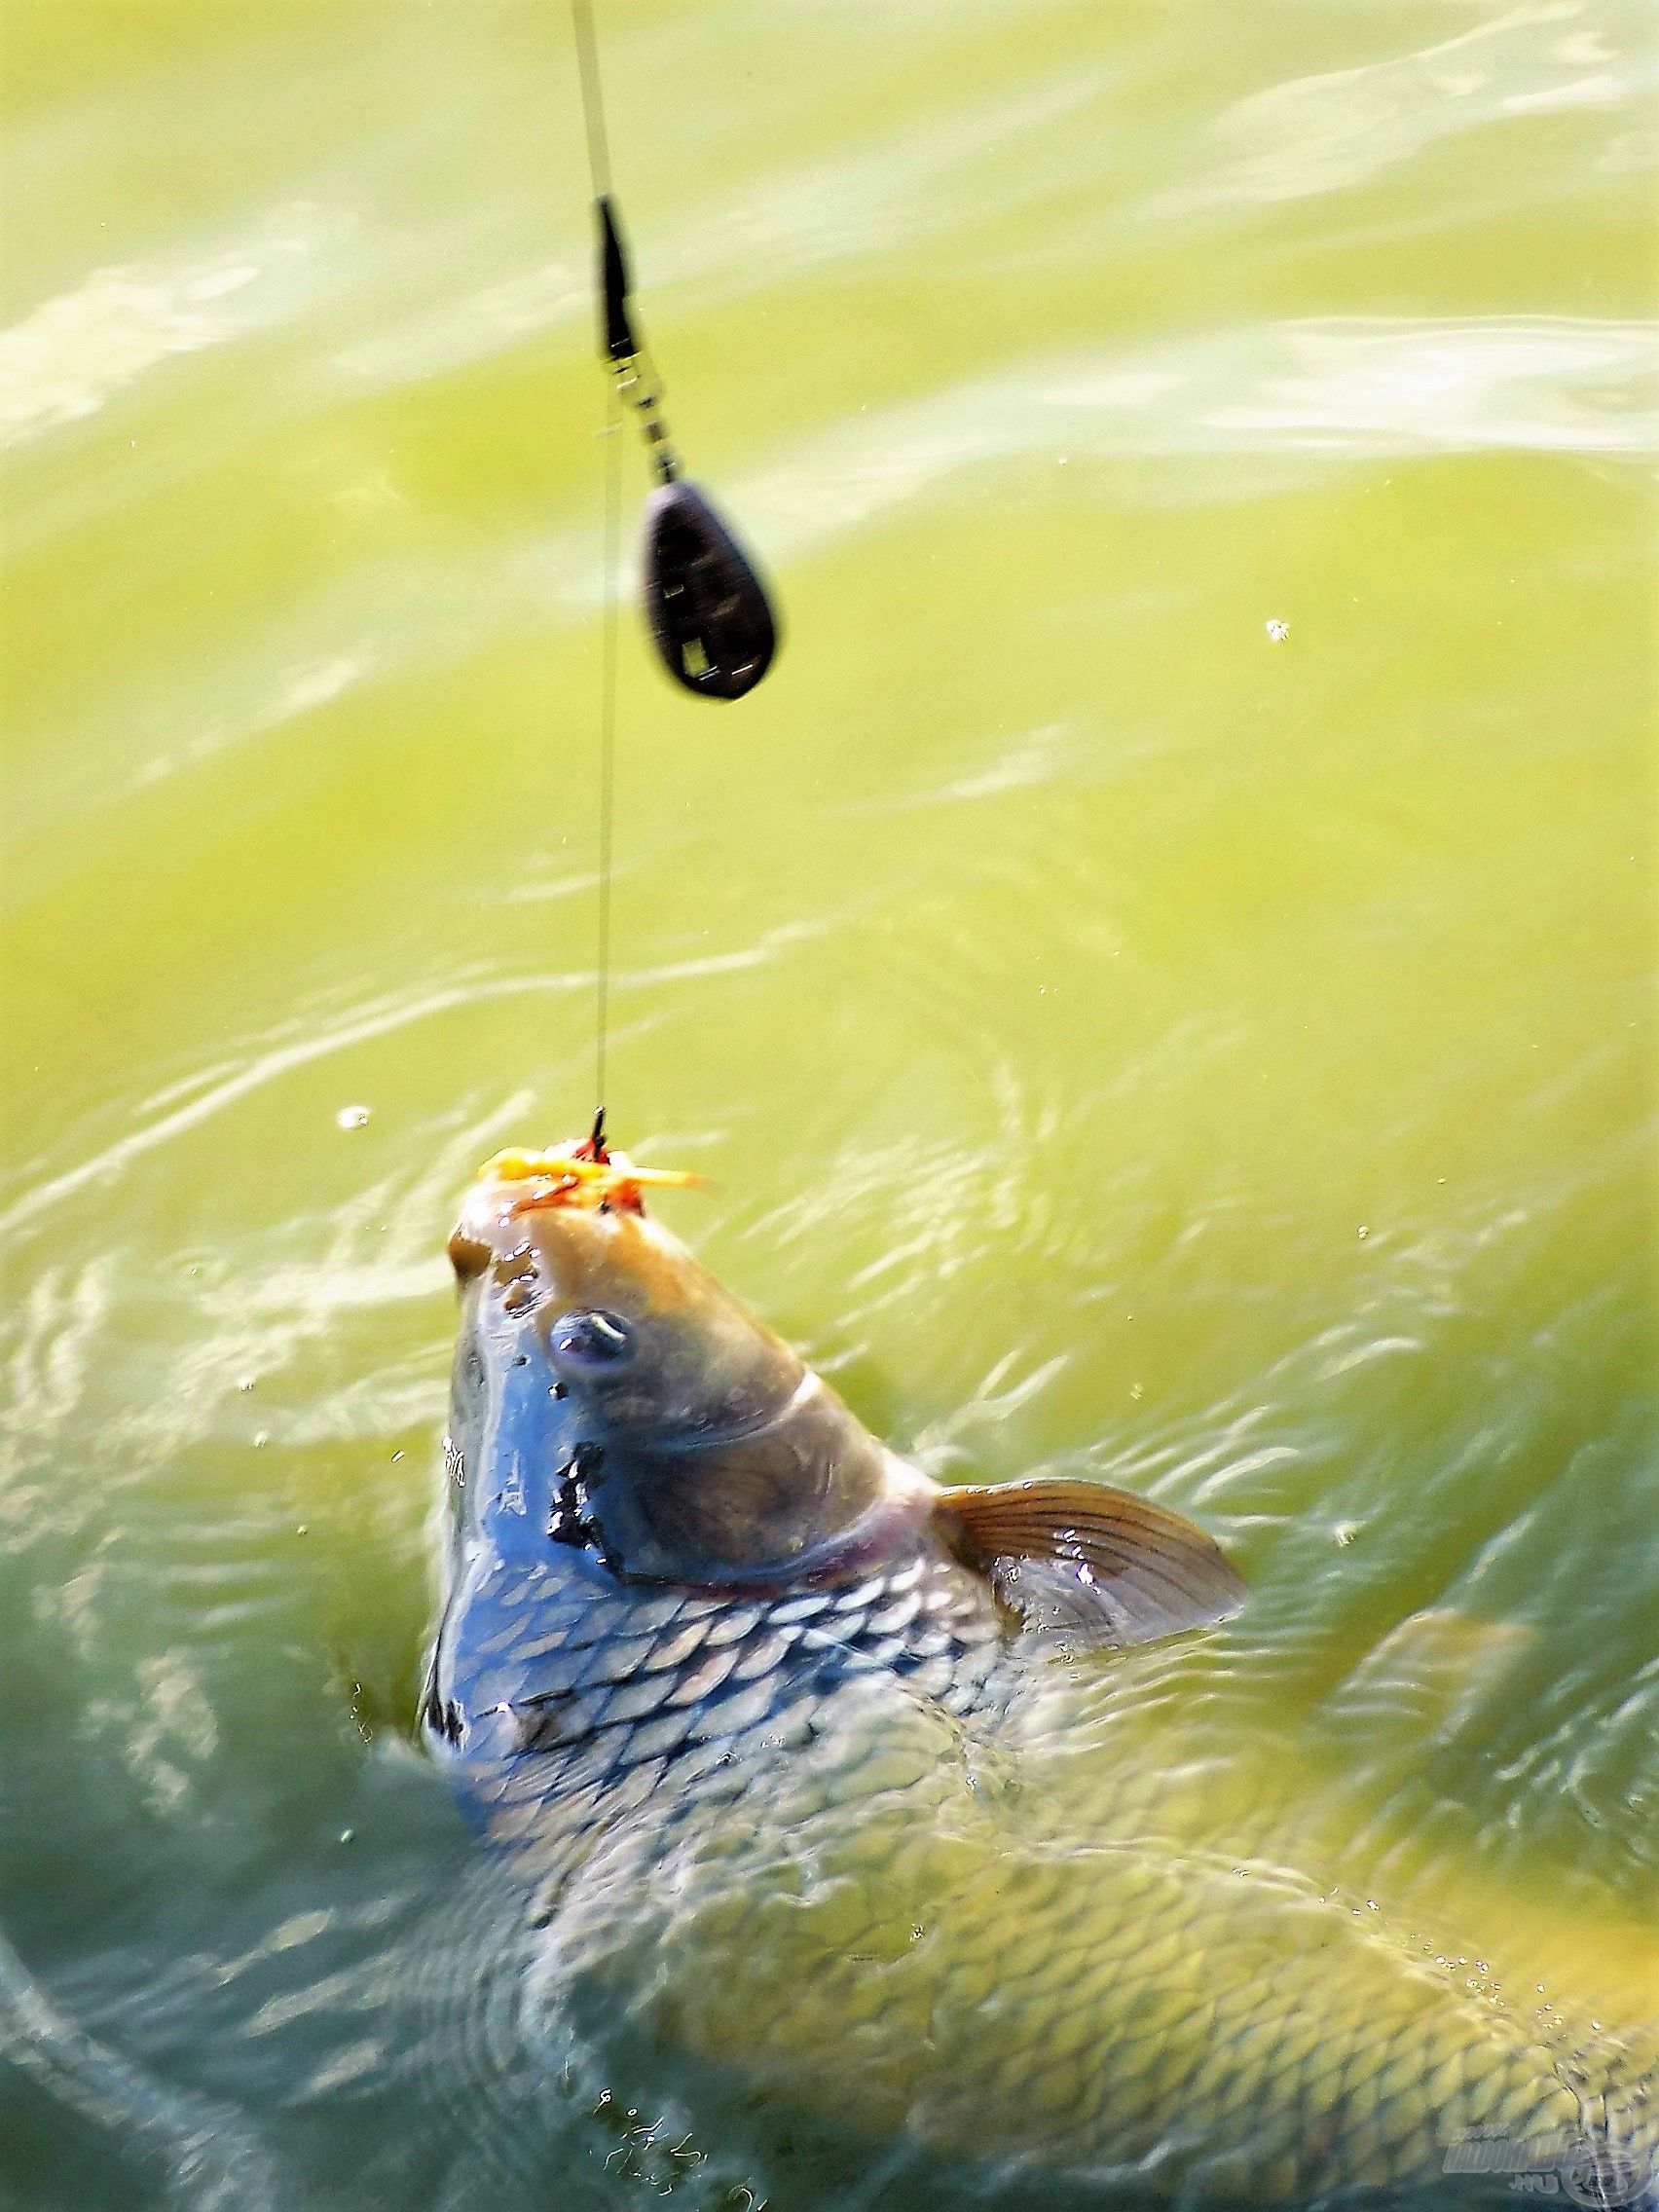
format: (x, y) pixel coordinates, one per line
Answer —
(1345, 127)
(1354, 386)
(216, 2161)
(382, 1017)
(62, 362)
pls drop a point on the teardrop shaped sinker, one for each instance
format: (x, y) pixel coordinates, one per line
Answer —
(711, 619)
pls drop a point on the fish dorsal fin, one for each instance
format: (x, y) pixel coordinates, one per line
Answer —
(1088, 1563)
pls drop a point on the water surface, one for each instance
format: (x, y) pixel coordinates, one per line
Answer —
(1120, 1039)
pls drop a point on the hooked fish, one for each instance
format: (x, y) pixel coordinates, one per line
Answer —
(746, 1698)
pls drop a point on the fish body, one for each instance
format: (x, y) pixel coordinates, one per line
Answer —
(783, 1741)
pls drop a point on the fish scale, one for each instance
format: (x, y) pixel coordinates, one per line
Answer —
(1391, 2096)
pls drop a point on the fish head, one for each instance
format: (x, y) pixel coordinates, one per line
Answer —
(610, 1392)
(612, 1396)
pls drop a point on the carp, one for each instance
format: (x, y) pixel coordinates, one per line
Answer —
(791, 1744)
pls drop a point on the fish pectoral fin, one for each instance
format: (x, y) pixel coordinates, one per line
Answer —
(1091, 1565)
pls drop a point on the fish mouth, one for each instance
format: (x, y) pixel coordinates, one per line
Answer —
(582, 1177)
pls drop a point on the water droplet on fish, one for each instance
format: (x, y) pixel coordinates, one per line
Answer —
(352, 1118)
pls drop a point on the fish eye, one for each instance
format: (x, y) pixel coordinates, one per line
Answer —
(588, 1342)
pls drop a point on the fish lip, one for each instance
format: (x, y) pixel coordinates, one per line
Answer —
(492, 1229)
(468, 1254)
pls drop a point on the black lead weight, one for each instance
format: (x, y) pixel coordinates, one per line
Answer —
(709, 617)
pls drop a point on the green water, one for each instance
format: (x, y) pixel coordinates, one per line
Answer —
(1118, 1040)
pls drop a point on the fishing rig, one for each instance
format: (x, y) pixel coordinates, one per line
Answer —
(708, 611)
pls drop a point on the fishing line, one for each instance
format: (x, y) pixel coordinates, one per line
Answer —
(707, 609)
(613, 563)
(599, 171)
(593, 98)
